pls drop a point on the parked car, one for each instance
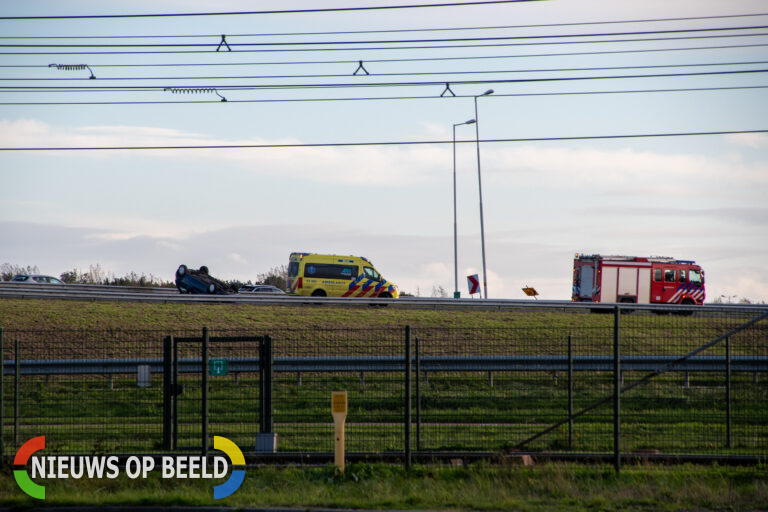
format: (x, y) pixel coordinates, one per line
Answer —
(35, 279)
(261, 289)
(199, 281)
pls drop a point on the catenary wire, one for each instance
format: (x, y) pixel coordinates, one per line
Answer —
(389, 48)
(406, 30)
(116, 88)
(413, 73)
(400, 41)
(420, 59)
(386, 98)
(283, 11)
(386, 143)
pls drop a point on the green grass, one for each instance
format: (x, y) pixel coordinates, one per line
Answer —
(571, 487)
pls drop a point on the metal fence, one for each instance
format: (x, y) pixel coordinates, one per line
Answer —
(552, 379)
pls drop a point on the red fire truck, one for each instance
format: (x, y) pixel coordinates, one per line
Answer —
(599, 278)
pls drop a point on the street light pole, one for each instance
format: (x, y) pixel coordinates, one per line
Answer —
(455, 232)
(480, 188)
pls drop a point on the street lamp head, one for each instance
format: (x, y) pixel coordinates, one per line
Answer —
(488, 92)
(471, 121)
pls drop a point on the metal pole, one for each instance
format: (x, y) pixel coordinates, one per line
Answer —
(2, 402)
(728, 390)
(616, 390)
(167, 390)
(175, 397)
(480, 190)
(570, 392)
(268, 384)
(418, 396)
(407, 397)
(455, 229)
(17, 393)
(206, 338)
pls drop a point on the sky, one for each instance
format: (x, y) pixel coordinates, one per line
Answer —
(328, 184)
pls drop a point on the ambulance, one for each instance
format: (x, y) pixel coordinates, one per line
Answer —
(331, 275)
(637, 280)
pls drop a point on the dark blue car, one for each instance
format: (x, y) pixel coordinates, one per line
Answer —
(199, 281)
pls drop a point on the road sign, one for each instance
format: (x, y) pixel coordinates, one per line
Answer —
(217, 367)
(473, 282)
(530, 291)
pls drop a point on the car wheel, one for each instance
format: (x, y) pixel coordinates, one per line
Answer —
(211, 288)
(319, 293)
(204, 270)
(182, 270)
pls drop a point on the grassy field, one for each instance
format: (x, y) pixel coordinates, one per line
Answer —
(570, 487)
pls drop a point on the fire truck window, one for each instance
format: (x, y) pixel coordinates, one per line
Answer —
(682, 276)
(695, 276)
(657, 274)
(669, 275)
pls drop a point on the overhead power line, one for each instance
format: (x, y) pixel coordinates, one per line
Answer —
(386, 98)
(351, 85)
(416, 59)
(412, 73)
(387, 143)
(283, 11)
(400, 41)
(393, 31)
(389, 48)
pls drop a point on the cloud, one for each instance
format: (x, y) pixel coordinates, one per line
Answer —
(751, 140)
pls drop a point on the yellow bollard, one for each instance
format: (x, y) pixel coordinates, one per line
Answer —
(339, 411)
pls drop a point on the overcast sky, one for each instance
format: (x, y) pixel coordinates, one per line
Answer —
(241, 211)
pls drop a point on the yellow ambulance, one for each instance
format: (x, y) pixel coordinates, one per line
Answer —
(331, 275)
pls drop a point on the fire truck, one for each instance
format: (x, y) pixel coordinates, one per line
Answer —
(598, 278)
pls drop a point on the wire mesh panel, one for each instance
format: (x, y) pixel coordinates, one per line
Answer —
(86, 391)
(701, 395)
(311, 364)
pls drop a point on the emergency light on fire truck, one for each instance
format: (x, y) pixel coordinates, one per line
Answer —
(598, 278)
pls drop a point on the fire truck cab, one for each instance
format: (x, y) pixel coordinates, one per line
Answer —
(637, 280)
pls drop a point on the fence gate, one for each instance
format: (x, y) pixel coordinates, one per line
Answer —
(216, 385)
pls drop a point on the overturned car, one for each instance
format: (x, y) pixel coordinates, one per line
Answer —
(199, 281)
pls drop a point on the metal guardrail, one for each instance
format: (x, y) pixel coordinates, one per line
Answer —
(395, 364)
(139, 294)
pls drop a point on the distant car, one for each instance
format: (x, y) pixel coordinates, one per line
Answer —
(199, 281)
(35, 279)
(261, 289)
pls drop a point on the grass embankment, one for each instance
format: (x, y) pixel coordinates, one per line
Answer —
(36, 314)
(571, 487)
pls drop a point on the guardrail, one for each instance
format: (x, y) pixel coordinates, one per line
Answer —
(139, 294)
(395, 364)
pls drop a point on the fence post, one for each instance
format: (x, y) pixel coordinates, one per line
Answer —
(265, 385)
(2, 402)
(204, 436)
(728, 391)
(418, 396)
(570, 392)
(407, 397)
(167, 391)
(175, 395)
(17, 392)
(616, 389)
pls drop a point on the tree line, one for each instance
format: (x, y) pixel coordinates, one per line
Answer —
(275, 276)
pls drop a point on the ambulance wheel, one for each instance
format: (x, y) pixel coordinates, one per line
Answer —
(385, 295)
(319, 293)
